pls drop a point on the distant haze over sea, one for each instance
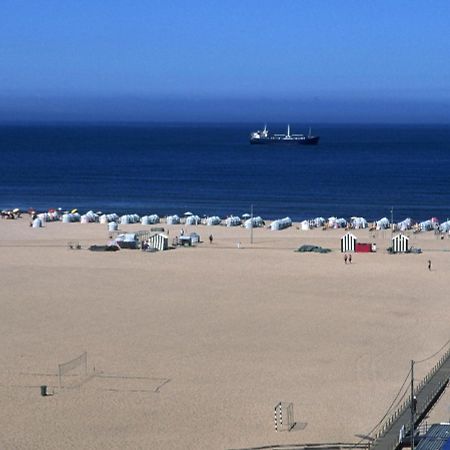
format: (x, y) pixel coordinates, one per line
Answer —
(309, 109)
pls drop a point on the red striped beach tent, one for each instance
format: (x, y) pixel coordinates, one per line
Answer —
(348, 243)
(400, 243)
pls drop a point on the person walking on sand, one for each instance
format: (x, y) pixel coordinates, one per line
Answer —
(345, 258)
(429, 264)
(210, 238)
(350, 258)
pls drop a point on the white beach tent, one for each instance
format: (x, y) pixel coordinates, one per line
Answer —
(233, 221)
(348, 242)
(281, 224)
(404, 224)
(213, 220)
(444, 227)
(106, 218)
(193, 220)
(358, 223)
(319, 222)
(304, 225)
(71, 217)
(172, 220)
(256, 222)
(112, 226)
(382, 224)
(153, 218)
(37, 223)
(426, 225)
(89, 217)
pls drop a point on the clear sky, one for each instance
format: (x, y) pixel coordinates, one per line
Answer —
(229, 60)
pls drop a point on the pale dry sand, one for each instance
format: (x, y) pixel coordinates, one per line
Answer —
(200, 343)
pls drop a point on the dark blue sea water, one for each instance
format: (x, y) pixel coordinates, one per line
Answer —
(209, 169)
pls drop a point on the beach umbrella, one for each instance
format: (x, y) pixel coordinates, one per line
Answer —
(188, 213)
(16, 210)
(75, 210)
(246, 216)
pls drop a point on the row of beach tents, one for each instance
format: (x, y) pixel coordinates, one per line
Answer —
(232, 221)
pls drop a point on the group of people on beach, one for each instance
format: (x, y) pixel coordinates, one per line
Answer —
(348, 258)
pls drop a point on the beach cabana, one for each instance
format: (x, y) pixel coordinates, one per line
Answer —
(348, 243)
(400, 243)
(159, 241)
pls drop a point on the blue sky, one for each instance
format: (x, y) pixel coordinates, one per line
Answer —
(234, 60)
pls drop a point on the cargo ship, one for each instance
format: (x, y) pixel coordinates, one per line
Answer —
(264, 137)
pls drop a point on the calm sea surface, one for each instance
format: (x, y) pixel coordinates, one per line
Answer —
(213, 170)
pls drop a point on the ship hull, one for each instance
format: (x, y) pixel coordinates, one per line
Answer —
(312, 140)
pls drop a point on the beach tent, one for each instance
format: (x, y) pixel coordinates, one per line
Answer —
(37, 223)
(358, 222)
(89, 217)
(444, 227)
(254, 222)
(193, 220)
(144, 220)
(348, 242)
(127, 240)
(112, 226)
(340, 223)
(213, 220)
(331, 221)
(233, 221)
(426, 225)
(404, 224)
(129, 218)
(159, 241)
(172, 220)
(106, 218)
(400, 243)
(319, 222)
(281, 224)
(153, 218)
(304, 225)
(71, 217)
(195, 238)
(382, 224)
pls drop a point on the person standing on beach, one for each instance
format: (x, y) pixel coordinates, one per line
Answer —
(210, 238)
(345, 258)
(350, 258)
(429, 264)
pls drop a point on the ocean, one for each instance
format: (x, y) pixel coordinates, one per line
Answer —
(356, 170)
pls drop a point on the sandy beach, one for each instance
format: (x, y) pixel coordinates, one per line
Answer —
(192, 348)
